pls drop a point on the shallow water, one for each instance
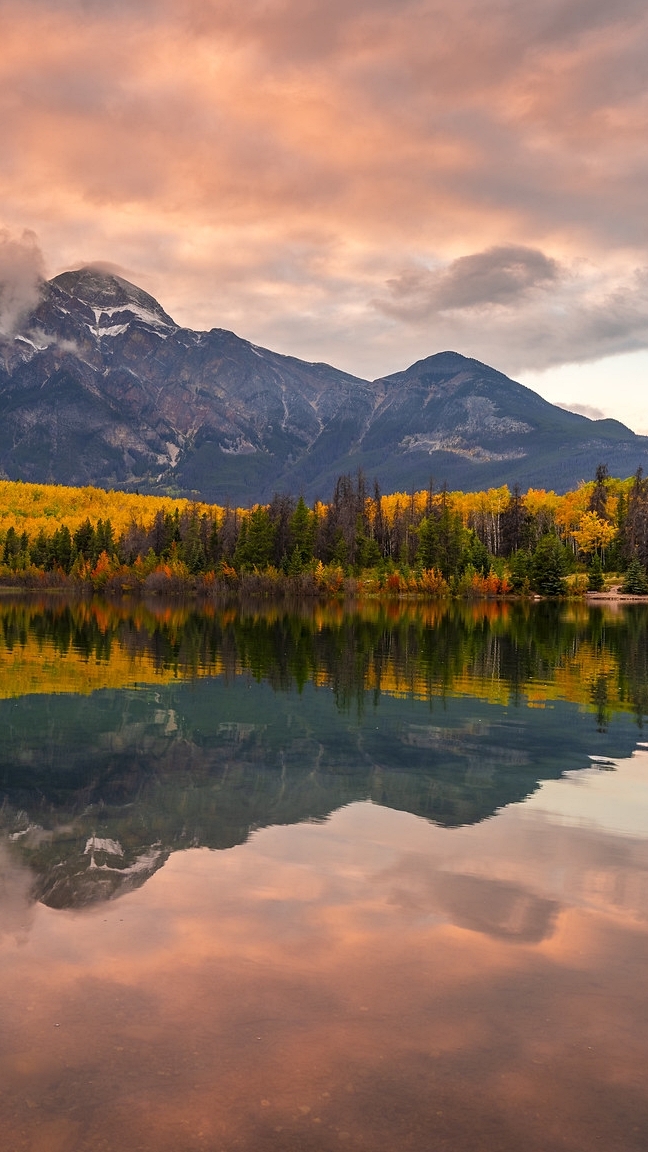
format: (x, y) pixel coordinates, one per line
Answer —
(321, 879)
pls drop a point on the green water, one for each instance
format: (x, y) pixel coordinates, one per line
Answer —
(321, 878)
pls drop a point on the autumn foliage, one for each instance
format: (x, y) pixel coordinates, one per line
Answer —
(431, 543)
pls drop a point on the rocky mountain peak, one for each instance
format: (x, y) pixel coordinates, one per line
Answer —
(106, 293)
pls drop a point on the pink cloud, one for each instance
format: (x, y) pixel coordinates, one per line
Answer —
(272, 167)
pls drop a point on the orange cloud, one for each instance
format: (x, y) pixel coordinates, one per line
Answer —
(273, 166)
(373, 976)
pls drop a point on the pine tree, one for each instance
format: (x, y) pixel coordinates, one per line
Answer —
(548, 567)
(477, 555)
(635, 583)
(84, 540)
(519, 568)
(427, 554)
(40, 550)
(11, 550)
(62, 548)
(450, 535)
(366, 550)
(514, 521)
(635, 529)
(595, 580)
(193, 551)
(104, 539)
(255, 544)
(598, 499)
(302, 535)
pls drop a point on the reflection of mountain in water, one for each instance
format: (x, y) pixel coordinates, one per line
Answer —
(204, 726)
(100, 789)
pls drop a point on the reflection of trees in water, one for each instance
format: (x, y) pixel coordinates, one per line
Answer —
(205, 763)
(590, 656)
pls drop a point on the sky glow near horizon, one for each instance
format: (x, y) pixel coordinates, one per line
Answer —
(362, 182)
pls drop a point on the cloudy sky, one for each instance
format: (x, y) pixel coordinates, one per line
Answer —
(360, 181)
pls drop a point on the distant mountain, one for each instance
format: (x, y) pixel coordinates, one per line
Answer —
(100, 386)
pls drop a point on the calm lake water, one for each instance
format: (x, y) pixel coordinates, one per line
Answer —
(323, 879)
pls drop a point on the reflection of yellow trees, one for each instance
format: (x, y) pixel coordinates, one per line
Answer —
(31, 662)
(49, 647)
(576, 677)
(34, 669)
(392, 680)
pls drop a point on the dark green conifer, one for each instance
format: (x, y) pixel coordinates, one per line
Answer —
(548, 567)
(635, 583)
(595, 580)
(302, 534)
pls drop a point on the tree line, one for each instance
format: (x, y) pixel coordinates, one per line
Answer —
(491, 542)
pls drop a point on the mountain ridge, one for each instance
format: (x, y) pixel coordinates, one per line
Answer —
(100, 385)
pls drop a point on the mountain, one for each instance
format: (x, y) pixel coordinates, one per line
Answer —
(99, 385)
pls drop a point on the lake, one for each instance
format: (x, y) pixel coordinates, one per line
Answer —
(322, 877)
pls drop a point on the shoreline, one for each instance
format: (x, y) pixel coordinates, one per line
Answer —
(232, 594)
(615, 596)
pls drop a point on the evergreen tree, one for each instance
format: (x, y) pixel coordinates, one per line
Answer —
(295, 564)
(548, 567)
(84, 541)
(62, 548)
(228, 532)
(476, 554)
(104, 539)
(519, 568)
(636, 522)
(254, 546)
(595, 580)
(450, 536)
(339, 552)
(635, 583)
(213, 549)
(598, 499)
(427, 554)
(40, 550)
(11, 550)
(193, 551)
(240, 551)
(366, 550)
(380, 529)
(280, 512)
(302, 535)
(514, 522)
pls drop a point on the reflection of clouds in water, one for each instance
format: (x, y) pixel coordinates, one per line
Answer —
(579, 842)
(375, 975)
(615, 802)
(495, 908)
(16, 902)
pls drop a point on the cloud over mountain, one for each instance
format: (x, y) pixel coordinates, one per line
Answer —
(500, 275)
(523, 308)
(278, 167)
(21, 277)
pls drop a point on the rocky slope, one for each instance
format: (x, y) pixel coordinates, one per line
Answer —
(100, 386)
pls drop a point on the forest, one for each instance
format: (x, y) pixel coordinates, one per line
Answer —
(428, 543)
